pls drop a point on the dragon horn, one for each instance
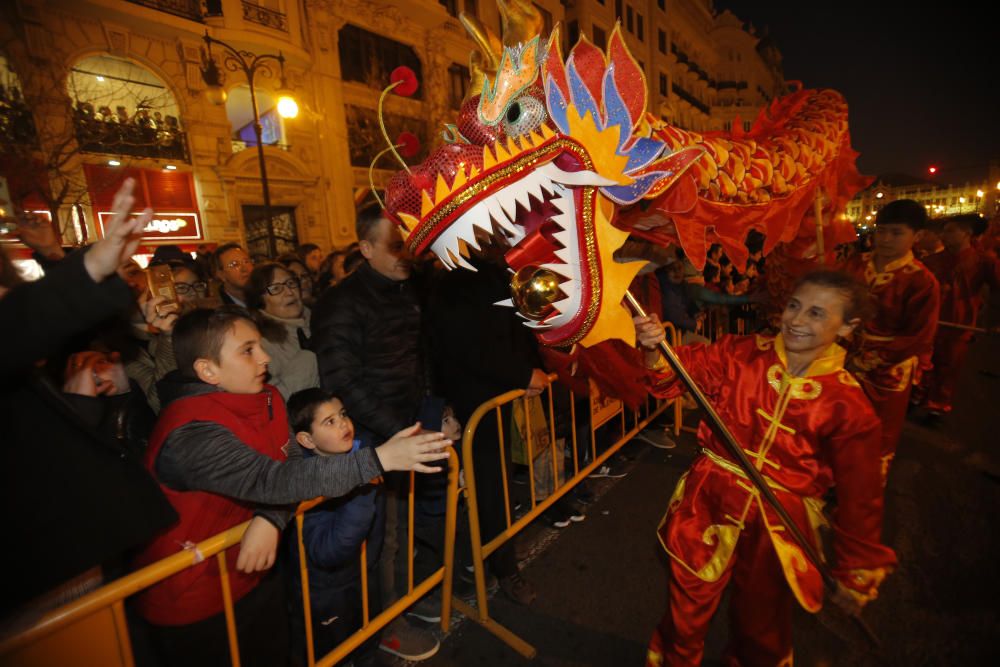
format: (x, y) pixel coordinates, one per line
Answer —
(520, 21)
(484, 62)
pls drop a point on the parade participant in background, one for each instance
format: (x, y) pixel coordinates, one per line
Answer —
(962, 272)
(898, 340)
(807, 426)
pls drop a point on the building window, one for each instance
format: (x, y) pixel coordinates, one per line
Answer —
(546, 19)
(746, 126)
(661, 39)
(368, 58)
(458, 84)
(663, 84)
(365, 138)
(472, 8)
(121, 108)
(629, 19)
(450, 6)
(728, 126)
(662, 4)
(619, 12)
(639, 29)
(572, 34)
(600, 38)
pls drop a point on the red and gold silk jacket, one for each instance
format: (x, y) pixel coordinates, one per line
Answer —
(900, 338)
(962, 277)
(804, 434)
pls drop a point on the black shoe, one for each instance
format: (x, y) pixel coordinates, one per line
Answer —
(465, 583)
(582, 494)
(518, 589)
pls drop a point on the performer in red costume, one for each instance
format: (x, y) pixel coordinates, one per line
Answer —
(806, 424)
(962, 271)
(898, 341)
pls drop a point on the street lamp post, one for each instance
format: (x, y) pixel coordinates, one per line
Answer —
(251, 64)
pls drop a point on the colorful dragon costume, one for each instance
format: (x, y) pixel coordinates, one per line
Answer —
(558, 158)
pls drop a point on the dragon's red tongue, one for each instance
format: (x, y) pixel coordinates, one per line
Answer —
(539, 245)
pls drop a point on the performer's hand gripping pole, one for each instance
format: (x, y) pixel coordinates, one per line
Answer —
(760, 484)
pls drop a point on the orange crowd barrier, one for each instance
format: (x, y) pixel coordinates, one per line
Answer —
(92, 630)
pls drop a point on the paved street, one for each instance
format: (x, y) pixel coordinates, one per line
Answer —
(601, 582)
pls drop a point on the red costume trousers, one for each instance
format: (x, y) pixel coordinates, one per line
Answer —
(950, 346)
(890, 406)
(760, 608)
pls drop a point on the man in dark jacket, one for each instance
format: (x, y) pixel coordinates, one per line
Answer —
(366, 335)
(73, 498)
(481, 350)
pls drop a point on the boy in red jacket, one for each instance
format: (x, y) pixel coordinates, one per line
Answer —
(220, 451)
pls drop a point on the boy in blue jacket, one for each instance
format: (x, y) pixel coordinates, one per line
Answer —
(332, 534)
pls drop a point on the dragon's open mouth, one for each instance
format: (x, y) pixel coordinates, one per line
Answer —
(540, 204)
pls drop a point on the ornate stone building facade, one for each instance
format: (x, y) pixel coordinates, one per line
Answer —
(703, 70)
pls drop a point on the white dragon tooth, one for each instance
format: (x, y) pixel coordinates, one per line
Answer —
(468, 231)
(443, 256)
(563, 305)
(493, 207)
(584, 177)
(564, 237)
(464, 263)
(565, 254)
(564, 270)
(508, 202)
(537, 325)
(504, 222)
(506, 303)
(547, 186)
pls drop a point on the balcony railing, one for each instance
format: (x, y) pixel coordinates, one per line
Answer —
(17, 126)
(188, 9)
(264, 16)
(132, 139)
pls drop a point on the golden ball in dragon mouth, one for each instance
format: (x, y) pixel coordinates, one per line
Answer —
(534, 290)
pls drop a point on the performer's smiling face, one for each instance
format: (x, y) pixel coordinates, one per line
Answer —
(814, 318)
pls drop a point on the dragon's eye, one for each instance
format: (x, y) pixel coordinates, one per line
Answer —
(523, 115)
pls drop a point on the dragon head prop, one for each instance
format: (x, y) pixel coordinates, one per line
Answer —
(549, 158)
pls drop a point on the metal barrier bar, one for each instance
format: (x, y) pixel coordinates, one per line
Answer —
(227, 605)
(110, 598)
(480, 551)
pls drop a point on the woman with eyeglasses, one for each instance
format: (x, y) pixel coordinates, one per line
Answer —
(274, 293)
(192, 290)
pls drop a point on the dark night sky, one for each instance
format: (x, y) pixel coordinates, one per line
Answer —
(919, 80)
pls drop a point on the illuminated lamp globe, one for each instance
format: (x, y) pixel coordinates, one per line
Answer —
(287, 106)
(216, 95)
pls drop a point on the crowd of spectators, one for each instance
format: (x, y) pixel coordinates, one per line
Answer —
(154, 408)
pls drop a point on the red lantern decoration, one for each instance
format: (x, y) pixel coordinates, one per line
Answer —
(408, 79)
(408, 144)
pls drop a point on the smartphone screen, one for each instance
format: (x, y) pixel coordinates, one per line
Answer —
(161, 282)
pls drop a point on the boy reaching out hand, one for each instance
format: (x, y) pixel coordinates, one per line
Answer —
(221, 453)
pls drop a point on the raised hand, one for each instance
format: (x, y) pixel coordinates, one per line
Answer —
(159, 311)
(410, 449)
(121, 235)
